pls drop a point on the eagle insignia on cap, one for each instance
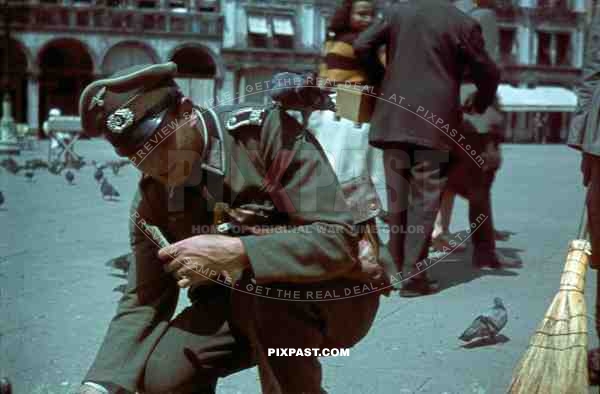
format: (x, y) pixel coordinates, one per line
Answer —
(118, 121)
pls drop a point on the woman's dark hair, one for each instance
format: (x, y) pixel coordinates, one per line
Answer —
(340, 21)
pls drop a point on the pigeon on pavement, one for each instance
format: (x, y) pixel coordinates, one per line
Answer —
(70, 177)
(108, 190)
(488, 324)
(29, 175)
(116, 165)
(98, 174)
(10, 165)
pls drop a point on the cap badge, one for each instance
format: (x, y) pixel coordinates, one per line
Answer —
(120, 120)
(97, 99)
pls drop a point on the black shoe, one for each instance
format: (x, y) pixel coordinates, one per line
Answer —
(419, 287)
(5, 386)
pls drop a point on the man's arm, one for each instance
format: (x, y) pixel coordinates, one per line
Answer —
(322, 244)
(483, 70)
(366, 49)
(588, 83)
(143, 312)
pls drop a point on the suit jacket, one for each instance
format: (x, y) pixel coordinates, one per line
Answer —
(430, 44)
(276, 165)
(584, 130)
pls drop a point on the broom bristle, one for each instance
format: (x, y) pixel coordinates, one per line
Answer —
(556, 360)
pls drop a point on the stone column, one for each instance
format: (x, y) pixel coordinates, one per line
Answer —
(33, 101)
(308, 22)
(534, 47)
(231, 26)
(8, 130)
(523, 44)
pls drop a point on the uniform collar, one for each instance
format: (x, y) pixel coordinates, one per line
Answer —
(214, 157)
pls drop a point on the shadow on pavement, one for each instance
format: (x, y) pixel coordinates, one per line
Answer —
(120, 263)
(486, 342)
(457, 268)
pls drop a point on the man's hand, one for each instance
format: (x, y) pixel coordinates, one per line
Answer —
(370, 269)
(202, 257)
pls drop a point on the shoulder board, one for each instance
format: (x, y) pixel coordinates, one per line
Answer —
(246, 116)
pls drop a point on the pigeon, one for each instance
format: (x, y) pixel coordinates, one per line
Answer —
(108, 190)
(5, 386)
(29, 175)
(118, 164)
(10, 165)
(98, 174)
(35, 164)
(70, 177)
(488, 324)
(115, 168)
(121, 263)
(1, 198)
(56, 168)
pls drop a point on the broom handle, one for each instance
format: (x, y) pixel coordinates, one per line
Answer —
(583, 223)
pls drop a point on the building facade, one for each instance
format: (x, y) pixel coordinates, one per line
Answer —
(541, 44)
(227, 49)
(56, 47)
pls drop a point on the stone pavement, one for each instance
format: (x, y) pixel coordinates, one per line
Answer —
(57, 293)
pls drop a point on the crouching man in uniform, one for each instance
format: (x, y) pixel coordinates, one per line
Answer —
(258, 163)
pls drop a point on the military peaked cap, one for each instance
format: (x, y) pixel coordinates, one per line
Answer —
(129, 107)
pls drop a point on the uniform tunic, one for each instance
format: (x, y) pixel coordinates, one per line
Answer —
(226, 330)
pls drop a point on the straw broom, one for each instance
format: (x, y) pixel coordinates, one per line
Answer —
(556, 360)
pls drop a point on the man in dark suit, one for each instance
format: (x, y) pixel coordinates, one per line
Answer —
(429, 44)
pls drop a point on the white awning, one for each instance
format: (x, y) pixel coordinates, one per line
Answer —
(258, 24)
(283, 26)
(538, 99)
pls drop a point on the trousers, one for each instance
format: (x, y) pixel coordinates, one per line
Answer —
(415, 177)
(473, 181)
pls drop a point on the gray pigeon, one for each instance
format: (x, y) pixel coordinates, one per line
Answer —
(70, 177)
(108, 190)
(29, 175)
(98, 174)
(488, 324)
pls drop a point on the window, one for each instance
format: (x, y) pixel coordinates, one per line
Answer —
(147, 4)
(283, 32)
(207, 5)
(508, 45)
(258, 31)
(554, 49)
(553, 4)
(563, 49)
(544, 49)
(178, 6)
(267, 31)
